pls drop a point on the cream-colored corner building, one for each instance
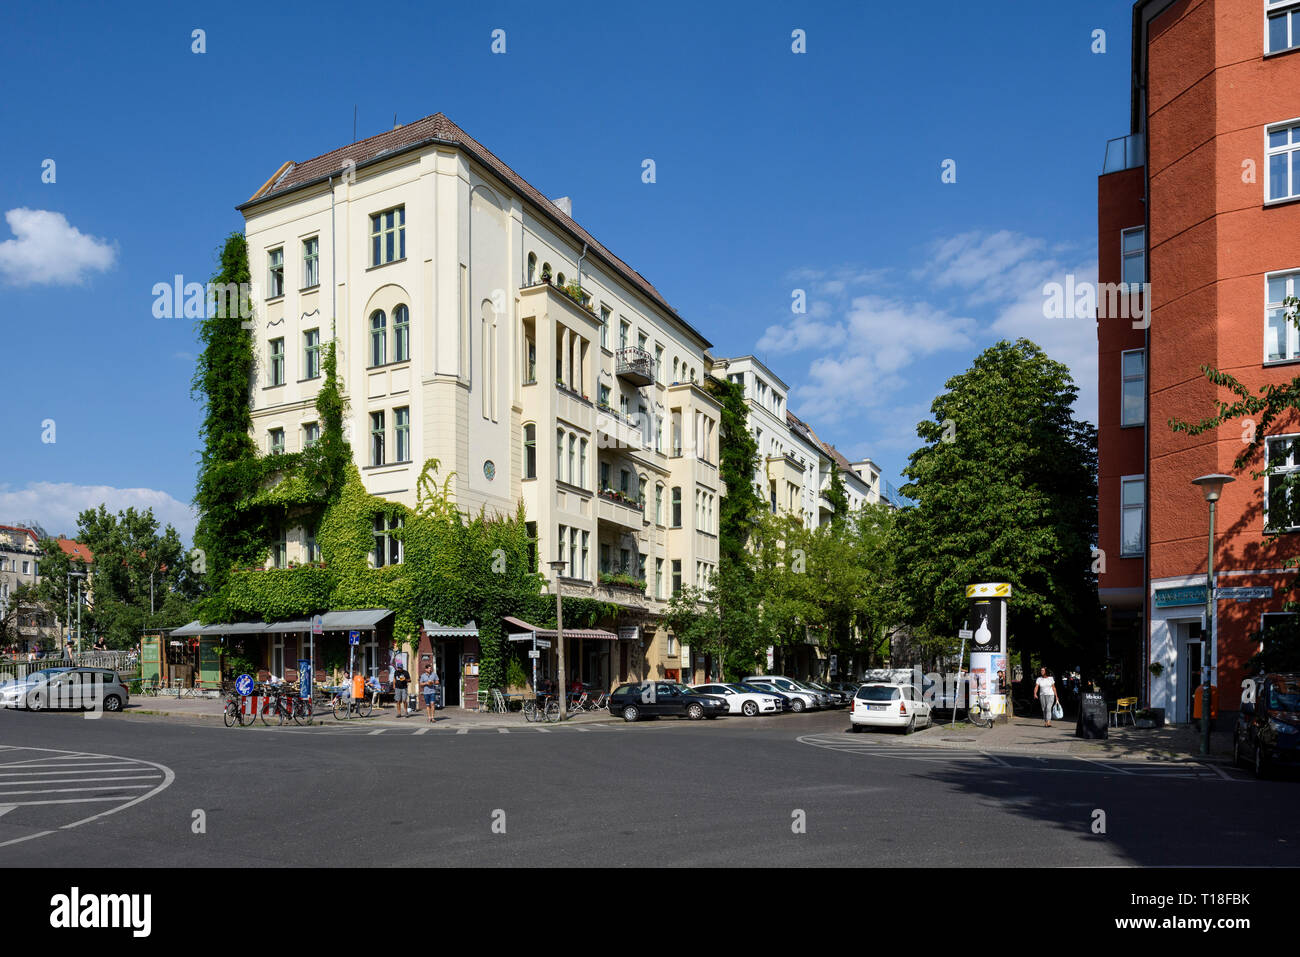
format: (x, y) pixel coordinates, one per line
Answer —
(441, 273)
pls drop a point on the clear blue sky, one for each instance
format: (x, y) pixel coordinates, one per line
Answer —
(776, 171)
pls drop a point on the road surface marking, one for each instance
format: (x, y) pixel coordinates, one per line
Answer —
(97, 787)
(379, 731)
(503, 730)
(137, 777)
(462, 730)
(423, 730)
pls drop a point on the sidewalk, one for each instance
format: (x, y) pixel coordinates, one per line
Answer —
(212, 709)
(1028, 736)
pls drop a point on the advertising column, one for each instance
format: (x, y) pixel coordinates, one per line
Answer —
(988, 658)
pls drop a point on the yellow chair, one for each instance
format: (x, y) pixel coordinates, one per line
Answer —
(1125, 706)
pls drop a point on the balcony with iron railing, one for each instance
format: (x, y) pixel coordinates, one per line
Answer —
(633, 364)
(1124, 152)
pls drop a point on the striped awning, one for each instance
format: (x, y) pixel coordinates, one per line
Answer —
(518, 626)
(366, 619)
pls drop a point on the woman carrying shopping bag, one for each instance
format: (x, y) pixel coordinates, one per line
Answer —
(1047, 696)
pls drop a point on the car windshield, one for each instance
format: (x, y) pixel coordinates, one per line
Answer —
(740, 688)
(878, 693)
(1283, 698)
(45, 674)
(785, 684)
(683, 689)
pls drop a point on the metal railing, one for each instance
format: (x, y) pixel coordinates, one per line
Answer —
(1124, 152)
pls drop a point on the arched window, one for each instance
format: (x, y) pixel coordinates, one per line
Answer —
(659, 504)
(532, 268)
(559, 280)
(546, 272)
(530, 451)
(401, 334)
(378, 337)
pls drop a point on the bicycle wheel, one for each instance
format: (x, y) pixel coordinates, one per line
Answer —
(231, 713)
(551, 710)
(530, 711)
(978, 715)
(342, 707)
(245, 718)
(302, 711)
(266, 710)
(366, 706)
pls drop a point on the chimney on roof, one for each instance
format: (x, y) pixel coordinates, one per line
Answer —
(565, 204)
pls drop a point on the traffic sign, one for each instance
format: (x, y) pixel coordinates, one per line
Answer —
(354, 637)
(317, 625)
(534, 653)
(244, 685)
(966, 634)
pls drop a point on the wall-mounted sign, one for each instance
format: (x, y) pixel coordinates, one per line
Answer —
(1172, 597)
(629, 633)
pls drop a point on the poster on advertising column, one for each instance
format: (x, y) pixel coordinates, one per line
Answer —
(987, 620)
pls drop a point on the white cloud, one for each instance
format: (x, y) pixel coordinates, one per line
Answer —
(55, 505)
(49, 251)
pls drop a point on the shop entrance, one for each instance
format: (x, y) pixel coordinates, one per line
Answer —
(1190, 679)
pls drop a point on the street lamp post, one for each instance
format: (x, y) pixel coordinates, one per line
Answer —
(558, 568)
(68, 595)
(1212, 487)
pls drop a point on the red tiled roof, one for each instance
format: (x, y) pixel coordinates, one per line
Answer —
(75, 550)
(438, 128)
(19, 528)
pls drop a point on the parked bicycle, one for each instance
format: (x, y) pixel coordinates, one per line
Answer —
(542, 708)
(233, 712)
(345, 706)
(980, 712)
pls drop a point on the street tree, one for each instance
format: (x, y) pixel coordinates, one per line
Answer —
(1006, 490)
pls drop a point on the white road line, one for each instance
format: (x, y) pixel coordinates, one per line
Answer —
(503, 730)
(542, 730)
(462, 730)
(379, 731)
(423, 730)
(43, 772)
(97, 787)
(59, 801)
(137, 777)
(1106, 767)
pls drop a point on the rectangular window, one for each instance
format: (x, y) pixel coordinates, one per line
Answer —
(275, 270)
(604, 327)
(402, 430)
(677, 506)
(377, 442)
(388, 236)
(582, 466)
(677, 575)
(574, 478)
(659, 504)
(530, 529)
(530, 451)
(401, 334)
(659, 578)
(1133, 269)
(310, 434)
(1282, 172)
(625, 481)
(1283, 26)
(1133, 398)
(311, 547)
(310, 262)
(604, 478)
(277, 362)
(624, 327)
(586, 550)
(388, 547)
(1281, 337)
(604, 557)
(659, 364)
(280, 551)
(602, 394)
(311, 354)
(275, 444)
(624, 561)
(559, 457)
(573, 553)
(1279, 500)
(1132, 495)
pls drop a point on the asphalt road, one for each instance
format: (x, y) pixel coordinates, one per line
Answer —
(793, 790)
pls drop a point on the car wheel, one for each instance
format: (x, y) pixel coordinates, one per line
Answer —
(1236, 751)
(630, 713)
(855, 728)
(112, 703)
(749, 709)
(1261, 764)
(796, 705)
(910, 726)
(695, 712)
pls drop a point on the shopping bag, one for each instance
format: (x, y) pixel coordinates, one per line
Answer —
(1057, 712)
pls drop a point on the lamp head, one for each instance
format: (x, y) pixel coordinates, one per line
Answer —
(558, 566)
(1212, 485)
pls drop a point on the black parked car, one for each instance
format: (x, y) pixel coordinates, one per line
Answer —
(838, 698)
(1268, 729)
(654, 698)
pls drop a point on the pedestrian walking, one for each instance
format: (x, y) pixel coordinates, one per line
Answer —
(1046, 686)
(401, 678)
(429, 689)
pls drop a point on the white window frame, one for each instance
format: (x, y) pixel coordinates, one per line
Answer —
(273, 447)
(274, 273)
(402, 433)
(276, 361)
(1287, 9)
(1291, 349)
(1124, 380)
(379, 231)
(1268, 477)
(311, 352)
(1124, 480)
(1291, 146)
(1125, 255)
(310, 263)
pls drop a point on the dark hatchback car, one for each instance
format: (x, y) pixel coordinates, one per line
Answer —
(652, 699)
(1268, 728)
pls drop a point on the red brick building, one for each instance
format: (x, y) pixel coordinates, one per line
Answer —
(1202, 202)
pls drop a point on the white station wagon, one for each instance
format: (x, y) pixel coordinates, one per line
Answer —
(888, 706)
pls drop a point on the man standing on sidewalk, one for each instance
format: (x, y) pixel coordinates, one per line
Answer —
(429, 688)
(401, 678)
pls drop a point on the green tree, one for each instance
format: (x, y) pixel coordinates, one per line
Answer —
(24, 601)
(1006, 491)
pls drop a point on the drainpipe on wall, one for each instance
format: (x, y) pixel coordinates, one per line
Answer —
(580, 259)
(334, 282)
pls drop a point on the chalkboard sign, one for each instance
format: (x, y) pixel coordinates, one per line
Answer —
(1093, 719)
